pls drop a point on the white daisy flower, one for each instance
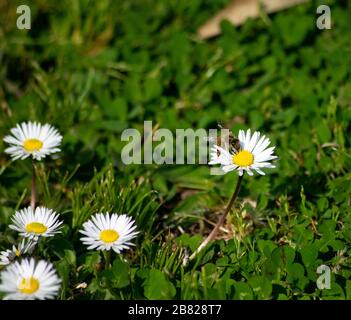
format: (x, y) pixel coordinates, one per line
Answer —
(32, 139)
(105, 232)
(42, 222)
(28, 280)
(217, 157)
(253, 154)
(8, 256)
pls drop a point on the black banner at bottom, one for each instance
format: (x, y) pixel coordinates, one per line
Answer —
(155, 309)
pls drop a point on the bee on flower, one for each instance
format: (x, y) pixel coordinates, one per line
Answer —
(249, 153)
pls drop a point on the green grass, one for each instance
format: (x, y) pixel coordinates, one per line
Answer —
(95, 68)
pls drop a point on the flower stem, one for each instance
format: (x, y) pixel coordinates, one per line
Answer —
(221, 220)
(107, 256)
(33, 199)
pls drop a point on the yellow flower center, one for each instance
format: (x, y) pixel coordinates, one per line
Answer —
(32, 145)
(109, 235)
(36, 227)
(18, 253)
(28, 285)
(243, 158)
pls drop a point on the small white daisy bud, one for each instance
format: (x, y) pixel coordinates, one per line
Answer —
(8, 256)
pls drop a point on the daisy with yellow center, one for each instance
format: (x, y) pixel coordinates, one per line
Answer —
(8, 256)
(32, 139)
(106, 232)
(42, 222)
(253, 154)
(245, 154)
(29, 280)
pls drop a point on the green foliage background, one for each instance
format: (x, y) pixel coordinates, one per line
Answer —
(95, 68)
